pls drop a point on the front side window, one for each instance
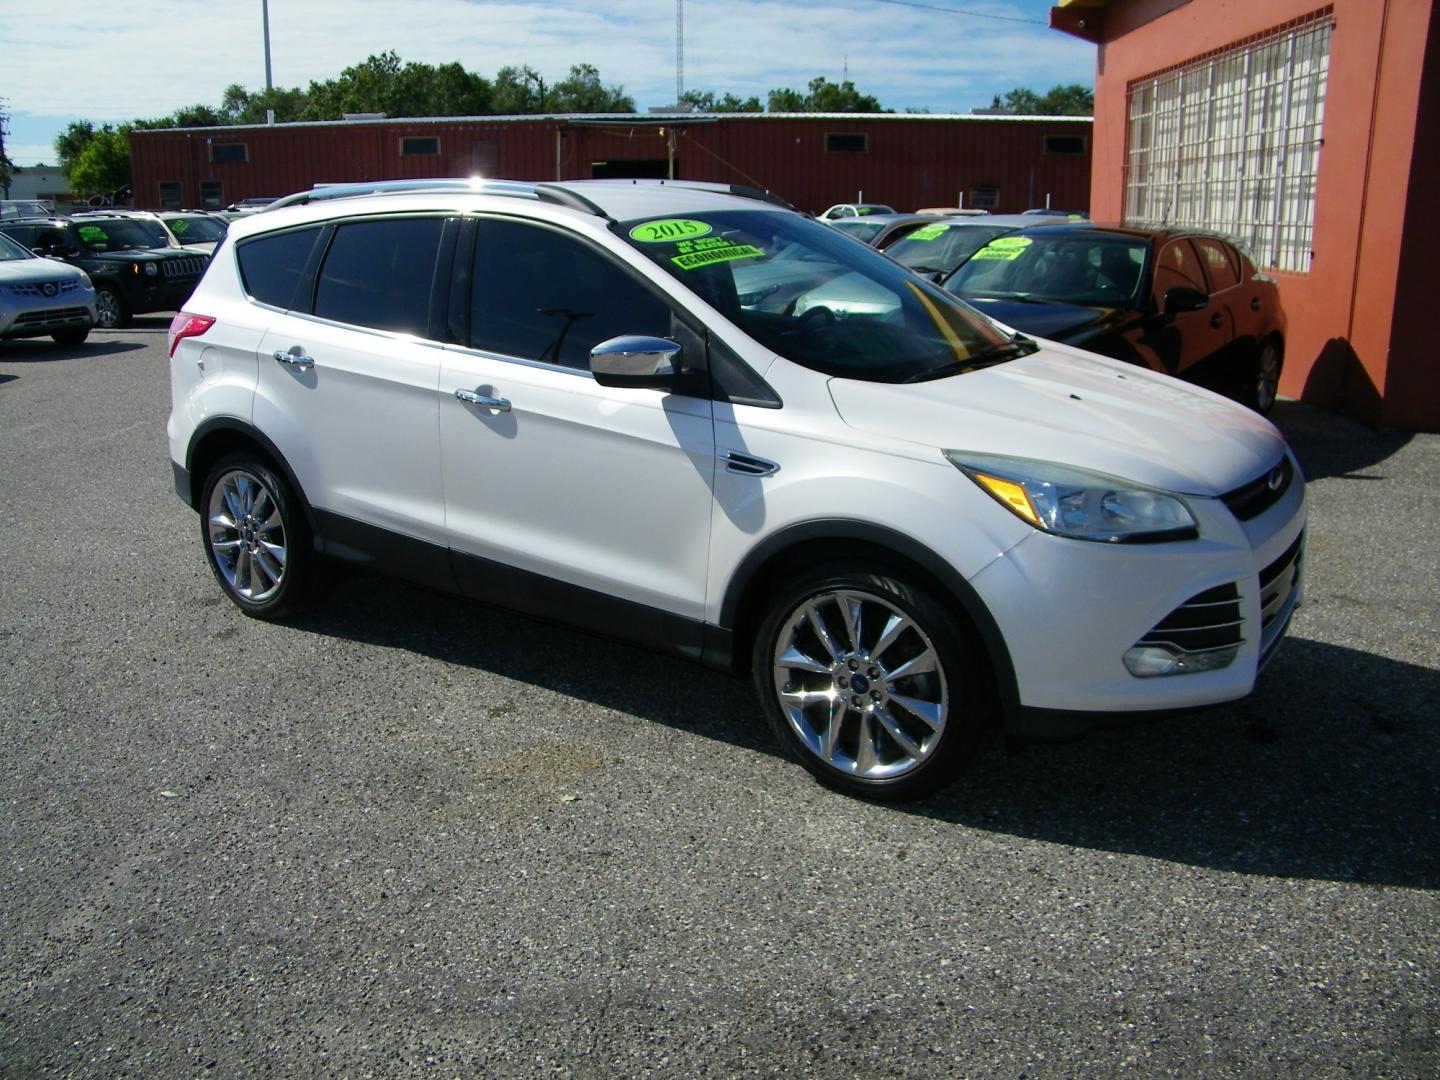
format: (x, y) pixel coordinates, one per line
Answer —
(1092, 269)
(815, 297)
(539, 294)
(379, 273)
(11, 251)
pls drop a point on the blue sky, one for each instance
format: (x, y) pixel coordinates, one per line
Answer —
(146, 58)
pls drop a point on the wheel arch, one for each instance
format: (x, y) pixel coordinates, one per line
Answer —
(828, 541)
(221, 435)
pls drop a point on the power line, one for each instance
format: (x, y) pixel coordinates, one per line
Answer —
(962, 11)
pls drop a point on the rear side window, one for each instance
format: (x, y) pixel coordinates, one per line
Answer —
(270, 266)
(1178, 265)
(541, 295)
(1221, 265)
(379, 273)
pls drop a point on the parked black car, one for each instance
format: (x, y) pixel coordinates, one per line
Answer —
(131, 274)
(1182, 301)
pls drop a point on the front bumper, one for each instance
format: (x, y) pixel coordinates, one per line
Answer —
(26, 312)
(1069, 611)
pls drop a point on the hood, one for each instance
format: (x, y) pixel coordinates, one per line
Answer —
(1048, 319)
(26, 271)
(1073, 407)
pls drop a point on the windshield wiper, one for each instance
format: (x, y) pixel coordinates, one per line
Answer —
(997, 353)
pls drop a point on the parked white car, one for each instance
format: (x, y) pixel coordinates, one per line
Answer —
(43, 297)
(914, 527)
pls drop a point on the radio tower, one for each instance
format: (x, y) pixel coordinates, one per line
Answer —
(679, 50)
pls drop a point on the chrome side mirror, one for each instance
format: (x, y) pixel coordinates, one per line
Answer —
(636, 361)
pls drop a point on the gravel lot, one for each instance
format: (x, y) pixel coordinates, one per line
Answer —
(409, 837)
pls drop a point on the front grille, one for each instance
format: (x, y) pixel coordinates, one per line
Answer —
(191, 266)
(1207, 622)
(44, 288)
(1253, 499)
(1279, 591)
(52, 317)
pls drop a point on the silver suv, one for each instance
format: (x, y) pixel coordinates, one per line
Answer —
(627, 406)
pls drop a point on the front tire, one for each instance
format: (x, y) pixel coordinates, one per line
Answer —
(256, 538)
(871, 684)
(110, 308)
(71, 337)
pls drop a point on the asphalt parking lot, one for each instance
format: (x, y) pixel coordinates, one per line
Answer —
(403, 836)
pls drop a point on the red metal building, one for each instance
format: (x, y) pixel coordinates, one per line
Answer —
(1001, 163)
(1299, 126)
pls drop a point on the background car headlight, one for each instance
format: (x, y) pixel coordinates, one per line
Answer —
(1078, 503)
(151, 269)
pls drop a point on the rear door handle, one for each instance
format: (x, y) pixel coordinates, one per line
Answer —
(296, 356)
(1254, 303)
(499, 404)
(1217, 320)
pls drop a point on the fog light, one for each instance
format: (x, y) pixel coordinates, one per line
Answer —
(1153, 661)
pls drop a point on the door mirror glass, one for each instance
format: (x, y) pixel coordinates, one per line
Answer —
(635, 360)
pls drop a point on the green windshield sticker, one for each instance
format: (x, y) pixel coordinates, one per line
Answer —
(926, 232)
(668, 231)
(92, 234)
(862, 210)
(179, 226)
(1004, 247)
(716, 249)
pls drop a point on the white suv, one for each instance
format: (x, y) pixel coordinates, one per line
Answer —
(620, 405)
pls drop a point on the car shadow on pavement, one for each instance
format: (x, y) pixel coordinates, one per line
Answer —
(1330, 445)
(36, 352)
(1327, 772)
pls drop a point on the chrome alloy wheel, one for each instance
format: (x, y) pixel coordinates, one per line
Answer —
(861, 684)
(1267, 379)
(107, 309)
(247, 535)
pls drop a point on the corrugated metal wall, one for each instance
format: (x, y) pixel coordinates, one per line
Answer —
(907, 162)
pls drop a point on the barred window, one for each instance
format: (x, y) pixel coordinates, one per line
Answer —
(1232, 142)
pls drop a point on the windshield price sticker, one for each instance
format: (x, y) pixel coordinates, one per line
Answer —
(1004, 247)
(715, 249)
(92, 234)
(927, 232)
(668, 231)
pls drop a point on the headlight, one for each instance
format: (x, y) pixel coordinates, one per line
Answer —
(151, 269)
(1078, 503)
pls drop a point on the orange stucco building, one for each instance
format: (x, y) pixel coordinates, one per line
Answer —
(1308, 130)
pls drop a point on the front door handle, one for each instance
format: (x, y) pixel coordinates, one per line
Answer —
(1254, 303)
(296, 356)
(499, 404)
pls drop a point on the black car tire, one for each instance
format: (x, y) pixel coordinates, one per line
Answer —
(256, 537)
(1263, 383)
(849, 694)
(71, 337)
(111, 310)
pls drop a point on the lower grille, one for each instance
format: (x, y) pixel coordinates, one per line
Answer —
(56, 316)
(1206, 622)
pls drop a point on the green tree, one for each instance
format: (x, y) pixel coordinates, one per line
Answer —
(518, 91)
(71, 143)
(706, 101)
(104, 165)
(1074, 99)
(381, 83)
(825, 96)
(582, 92)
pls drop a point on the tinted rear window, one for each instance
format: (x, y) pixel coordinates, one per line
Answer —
(271, 265)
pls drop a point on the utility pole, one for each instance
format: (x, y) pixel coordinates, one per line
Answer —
(265, 27)
(679, 51)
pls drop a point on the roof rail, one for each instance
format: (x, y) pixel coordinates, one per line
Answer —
(563, 196)
(741, 191)
(326, 192)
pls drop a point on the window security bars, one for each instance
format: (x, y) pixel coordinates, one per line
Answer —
(1232, 142)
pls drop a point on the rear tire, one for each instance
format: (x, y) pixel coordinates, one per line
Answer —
(256, 538)
(871, 684)
(1264, 382)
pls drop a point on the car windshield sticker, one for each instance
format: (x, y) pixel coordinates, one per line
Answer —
(862, 210)
(927, 232)
(668, 230)
(1004, 247)
(713, 249)
(92, 234)
(178, 227)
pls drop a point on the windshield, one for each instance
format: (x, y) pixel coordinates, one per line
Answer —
(11, 251)
(1090, 269)
(860, 228)
(816, 297)
(939, 248)
(197, 229)
(119, 234)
